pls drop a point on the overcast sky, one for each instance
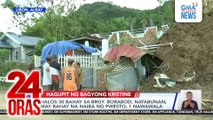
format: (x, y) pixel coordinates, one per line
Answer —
(6, 24)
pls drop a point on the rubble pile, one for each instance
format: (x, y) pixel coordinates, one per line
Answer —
(192, 51)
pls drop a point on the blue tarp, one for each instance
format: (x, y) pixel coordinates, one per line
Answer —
(61, 47)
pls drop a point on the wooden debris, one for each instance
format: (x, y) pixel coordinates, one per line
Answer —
(203, 103)
(207, 101)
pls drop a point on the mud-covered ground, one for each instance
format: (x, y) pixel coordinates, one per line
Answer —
(205, 87)
(192, 52)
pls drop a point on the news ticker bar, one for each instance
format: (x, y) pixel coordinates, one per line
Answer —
(68, 112)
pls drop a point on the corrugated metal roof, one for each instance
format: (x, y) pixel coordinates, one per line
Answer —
(128, 51)
(5, 44)
(25, 40)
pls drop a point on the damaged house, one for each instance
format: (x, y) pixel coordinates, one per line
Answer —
(131, 66)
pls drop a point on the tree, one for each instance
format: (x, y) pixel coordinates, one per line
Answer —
(48, 25)
(63, 21)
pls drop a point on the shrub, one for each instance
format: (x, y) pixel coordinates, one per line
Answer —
(5, 67)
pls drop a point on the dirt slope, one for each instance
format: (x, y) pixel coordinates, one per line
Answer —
(192, 52)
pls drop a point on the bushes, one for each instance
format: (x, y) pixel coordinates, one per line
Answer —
(5, 67)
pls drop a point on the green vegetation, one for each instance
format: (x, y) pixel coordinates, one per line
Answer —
(8, 66)
(5, 86)
(3, 53)
(62, 22)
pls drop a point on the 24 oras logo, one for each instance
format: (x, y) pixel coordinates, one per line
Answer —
(23, 97)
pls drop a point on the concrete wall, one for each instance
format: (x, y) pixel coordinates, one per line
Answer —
(88, 77)
(148, 36)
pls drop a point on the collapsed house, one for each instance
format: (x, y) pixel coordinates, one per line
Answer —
(131, 66)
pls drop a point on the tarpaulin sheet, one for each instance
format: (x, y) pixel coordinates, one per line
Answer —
(131, 52)
(61, 47)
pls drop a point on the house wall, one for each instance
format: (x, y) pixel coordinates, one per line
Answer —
(148, 36)
(19, 52)
(15, 53)
(122, 80)
(10, 54)
(27, 58)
